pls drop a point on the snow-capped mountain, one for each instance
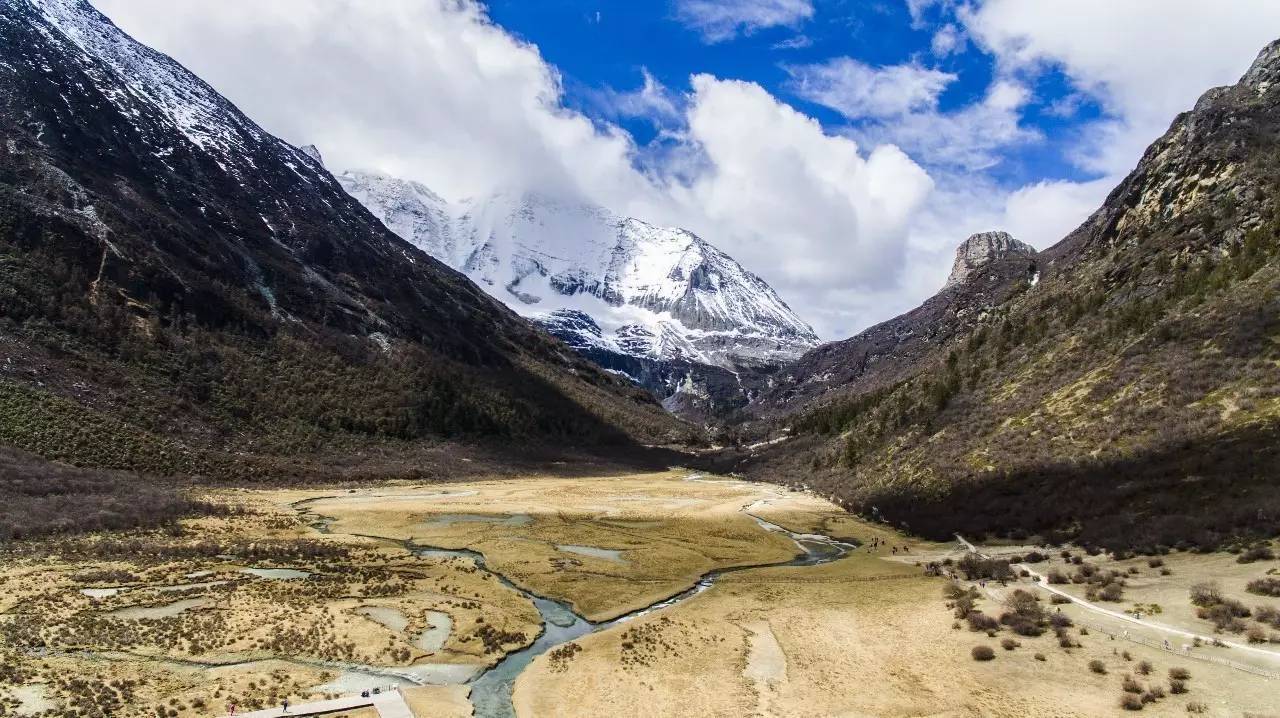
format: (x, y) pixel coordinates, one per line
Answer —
(610, 286)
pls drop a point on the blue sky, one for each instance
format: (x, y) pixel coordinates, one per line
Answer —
(601, 46)
(840, 149)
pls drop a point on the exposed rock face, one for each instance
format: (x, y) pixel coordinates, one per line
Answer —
(990, 268)
(981, 250)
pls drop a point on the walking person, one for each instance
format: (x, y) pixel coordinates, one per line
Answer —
(284, 706)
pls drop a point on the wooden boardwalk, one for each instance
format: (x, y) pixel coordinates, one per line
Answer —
(389, 704)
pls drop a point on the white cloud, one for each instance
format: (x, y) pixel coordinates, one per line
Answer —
(433, 91)
(430, 90)
(720, 20)
(1043, 213)
(652, 100)
(898, 104)
(971, 138)
(806, 206)
(948, 40)
(1144, 60)
(919, 11)
(857, 90)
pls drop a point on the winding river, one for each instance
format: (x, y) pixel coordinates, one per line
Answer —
(491, 690)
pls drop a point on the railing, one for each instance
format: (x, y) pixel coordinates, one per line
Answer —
(1160, 645)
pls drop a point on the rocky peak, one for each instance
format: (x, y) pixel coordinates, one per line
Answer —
(314, 153)
(1266, 68)
(981, 250)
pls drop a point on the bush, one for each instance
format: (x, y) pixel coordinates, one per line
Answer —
(1056, 577)
(982, 653)
(1264, 587)
(1058, 599)
(1144, 667)
(1098, 667)
(1205, 593)
(1130, 702)
(1260, 552)
(1268, 615)
(1009, 644)
(1177, 687)
(1256, 634)
(1156, 562)
(1197, 707)
(1060, 620)
(979, 621)
(1040, 657)
(976, 568)
(1180, 674)
(1130, 685)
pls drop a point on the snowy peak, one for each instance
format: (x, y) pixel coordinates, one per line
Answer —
(659, 292)
(981, 250)
(151, 86)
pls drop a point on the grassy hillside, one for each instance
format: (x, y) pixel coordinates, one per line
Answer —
(1131, 398)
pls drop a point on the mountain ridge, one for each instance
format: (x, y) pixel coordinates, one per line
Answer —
(1068, 411)
(170, 266)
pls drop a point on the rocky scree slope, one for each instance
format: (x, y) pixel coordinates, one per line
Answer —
(659, 305)
(180, 291)
(1130, 398)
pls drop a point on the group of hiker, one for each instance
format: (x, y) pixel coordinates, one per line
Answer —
(284, 704)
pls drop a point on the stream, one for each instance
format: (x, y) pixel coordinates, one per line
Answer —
(491, 691)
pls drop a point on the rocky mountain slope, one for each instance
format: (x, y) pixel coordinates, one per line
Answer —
(660, 305)
(1130, 398)
(990, 269)
(181, 291)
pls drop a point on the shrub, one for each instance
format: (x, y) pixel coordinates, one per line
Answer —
(982, 653)
(979, 621)
(1058, 599)
(1264, 587)
(1177, 687)
(1056, 577)
(1180, 674)
(976, 568)
(1129, 684)
(1035, 557)
(1098, 667)
(1205, 593)
(1260, 552)
(1111, 592)
(1256, 634)
(1197, 707)
(1039, 657)
(1156, 562)
(1130, 702)
(1268, 615)
(1009, 644)
(1144, 667)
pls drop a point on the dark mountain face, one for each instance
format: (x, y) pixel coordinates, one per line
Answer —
(1128, 398)
(172, 272)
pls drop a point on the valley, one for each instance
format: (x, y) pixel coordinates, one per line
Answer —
(280, 441)
(569, 596)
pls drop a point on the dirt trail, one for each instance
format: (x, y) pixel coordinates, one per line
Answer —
(1043, 583)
